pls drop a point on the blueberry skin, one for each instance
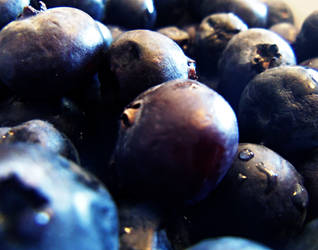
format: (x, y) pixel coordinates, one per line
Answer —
(262, 197)
(306, 42)
(278, 12)
(10, 10)
(51, 203)
(140, 59)
(42, 133)
(176, 142)
(95, 8)
(214, 33)
(65, 49)
(228, 243)
(247, 54)
(131, 14)
(279, 109)
(253, 13)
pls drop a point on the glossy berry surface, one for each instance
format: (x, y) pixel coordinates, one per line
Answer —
(176, 142)
(140, 59)
(214, 33)
(65, 48)
(247, 54)
(262, 197)
(279, 109)
(44, 194)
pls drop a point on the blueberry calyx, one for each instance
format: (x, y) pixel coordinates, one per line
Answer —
(267, 56)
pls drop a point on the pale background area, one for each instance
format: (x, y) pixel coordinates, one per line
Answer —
(302, 8)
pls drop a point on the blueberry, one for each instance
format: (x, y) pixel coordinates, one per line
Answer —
(48, 202)
(279, 109)
(247, 54)
(262, 197)
(214, 33)
(65, 49)
(176, 142)
(140, 59)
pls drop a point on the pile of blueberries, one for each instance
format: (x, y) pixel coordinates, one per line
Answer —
(158, 124)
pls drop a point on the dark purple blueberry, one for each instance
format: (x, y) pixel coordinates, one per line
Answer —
(253, 13)
(228, 243)
(176, 142)
(214, 33)
(95, 8)
(286, 30)
(279, 11)
(48, 202)
(262, 198)
(50, 60)
(279, 108)
(42, 133)
(10, 10)
(140, 59)
(247, 54)
(131, 14)
(307, 39)
(181, 37)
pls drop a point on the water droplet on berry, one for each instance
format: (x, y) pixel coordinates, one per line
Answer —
(246, 155)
